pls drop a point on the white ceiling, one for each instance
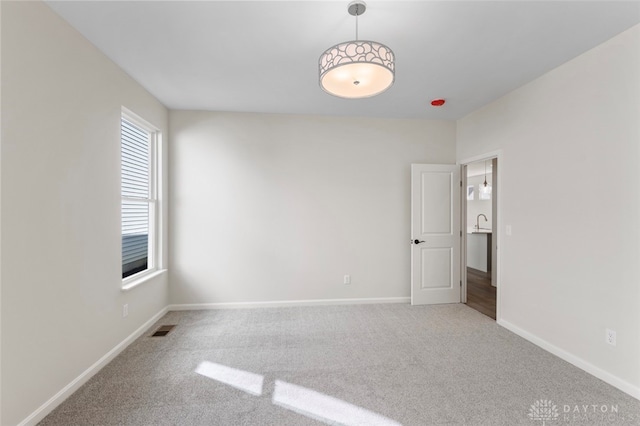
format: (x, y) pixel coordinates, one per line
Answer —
(262, 56)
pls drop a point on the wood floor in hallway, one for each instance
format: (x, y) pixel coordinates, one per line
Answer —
(481, 295)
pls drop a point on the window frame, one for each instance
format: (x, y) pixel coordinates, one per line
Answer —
(154, 249)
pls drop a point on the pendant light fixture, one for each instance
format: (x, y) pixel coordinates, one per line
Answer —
(358, 68)
(485, 188)
(485, 173)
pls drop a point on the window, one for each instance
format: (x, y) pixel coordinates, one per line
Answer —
(139, 210)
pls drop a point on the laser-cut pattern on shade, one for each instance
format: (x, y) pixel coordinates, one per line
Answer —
(357, 51)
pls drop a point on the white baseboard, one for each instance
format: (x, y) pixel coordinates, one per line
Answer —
(285, 303)
(609, 378)
(58, 398)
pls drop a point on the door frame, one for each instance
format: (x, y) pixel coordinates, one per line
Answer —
(497, 234)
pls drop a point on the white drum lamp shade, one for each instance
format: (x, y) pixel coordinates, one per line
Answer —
(357, 68)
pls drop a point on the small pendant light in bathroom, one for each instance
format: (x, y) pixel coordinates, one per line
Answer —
(485, 188)
(485, 173)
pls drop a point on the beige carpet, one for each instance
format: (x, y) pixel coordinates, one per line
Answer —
(343, 365)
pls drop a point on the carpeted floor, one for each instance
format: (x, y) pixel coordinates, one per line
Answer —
(353, 365)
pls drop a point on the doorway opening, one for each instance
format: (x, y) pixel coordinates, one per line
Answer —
(480, 226)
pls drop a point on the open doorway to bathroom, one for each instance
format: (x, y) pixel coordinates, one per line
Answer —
(481, 226)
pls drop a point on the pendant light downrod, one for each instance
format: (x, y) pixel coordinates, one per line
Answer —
(357, 8)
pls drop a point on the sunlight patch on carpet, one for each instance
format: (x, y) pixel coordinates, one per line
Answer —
(325, 408)
(239, 379)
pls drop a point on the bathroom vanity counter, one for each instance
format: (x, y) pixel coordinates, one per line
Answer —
(479, 249)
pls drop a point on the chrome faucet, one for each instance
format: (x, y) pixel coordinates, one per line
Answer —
(478, 220)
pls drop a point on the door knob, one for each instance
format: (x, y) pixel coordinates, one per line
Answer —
(417, 241)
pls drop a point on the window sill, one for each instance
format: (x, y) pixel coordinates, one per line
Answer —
(144, 278)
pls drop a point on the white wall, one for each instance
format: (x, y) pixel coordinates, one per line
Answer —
(61, 296)
(570, 269)
(280, 207)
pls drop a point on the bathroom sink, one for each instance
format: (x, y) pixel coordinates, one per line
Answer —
(481, 231)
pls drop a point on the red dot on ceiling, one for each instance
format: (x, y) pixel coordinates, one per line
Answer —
(437, 102)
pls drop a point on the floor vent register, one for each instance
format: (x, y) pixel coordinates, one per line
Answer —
(163, 330)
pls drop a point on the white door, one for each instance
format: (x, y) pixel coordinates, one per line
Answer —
(435, 234)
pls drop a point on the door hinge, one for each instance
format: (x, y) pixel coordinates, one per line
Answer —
(460, 184)
(460, 234)
(460, 283)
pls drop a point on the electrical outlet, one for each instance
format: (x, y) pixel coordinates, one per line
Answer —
(347, 279)
(610, 337)
(125, 310)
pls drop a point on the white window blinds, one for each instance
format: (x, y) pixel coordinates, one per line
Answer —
(137, 198)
